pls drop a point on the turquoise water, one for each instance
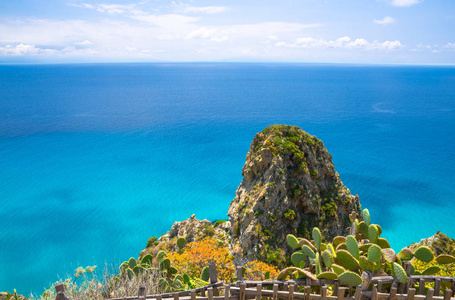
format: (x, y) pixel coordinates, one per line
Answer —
(95, 159)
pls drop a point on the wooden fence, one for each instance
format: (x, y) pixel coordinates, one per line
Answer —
(303, 288)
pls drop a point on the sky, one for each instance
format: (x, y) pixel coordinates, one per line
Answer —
(314, 31)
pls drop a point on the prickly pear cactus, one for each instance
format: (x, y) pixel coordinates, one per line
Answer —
(317, 237)
(400, 273)
(353, 247)
(350, 278)
(292, 241)
(424, 254)
(366, 216)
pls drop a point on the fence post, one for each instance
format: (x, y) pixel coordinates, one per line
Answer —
(430, 294)
(61, 294)
(141, 293)
(437, 286)
(226, 292)
(239, 274)
(366, 279)
(259, 291)
(213, 277)
(447, 294)
(422, 286)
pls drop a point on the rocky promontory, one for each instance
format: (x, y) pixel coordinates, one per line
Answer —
(289, 186)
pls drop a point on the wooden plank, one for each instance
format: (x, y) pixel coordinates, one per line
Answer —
(447, 294)
(411, 294)
(209, 294)
(358, 293)
(291, 292)
(374, 295)
(422, 286)
(259, 291)
(226, 292)
(380, 286)
(430, 294)
(393, 293)
(324, 293)
(193, 295)
(437, 286)
(242, 291)
(158, 297)
(335, 288)
(239, 273)
(275, 292)
(307, 293)
(341, 292)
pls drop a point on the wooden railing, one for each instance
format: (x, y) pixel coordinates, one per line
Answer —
(302, 289)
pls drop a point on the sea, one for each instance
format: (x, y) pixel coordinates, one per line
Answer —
(97, 158)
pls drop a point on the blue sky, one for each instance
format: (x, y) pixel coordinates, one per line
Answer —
(328, 31)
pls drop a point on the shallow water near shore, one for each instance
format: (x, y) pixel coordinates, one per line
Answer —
(95, 159)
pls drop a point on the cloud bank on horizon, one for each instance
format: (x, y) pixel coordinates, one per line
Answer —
(357, 31)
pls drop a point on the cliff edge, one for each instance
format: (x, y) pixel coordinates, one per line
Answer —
(289, 186)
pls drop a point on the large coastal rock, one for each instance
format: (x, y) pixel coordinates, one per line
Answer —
(289, 186)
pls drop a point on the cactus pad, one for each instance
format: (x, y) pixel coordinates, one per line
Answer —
(328, 275)
(353, 247)
(181, 242)
(161, 255)
(424, 254)
(345, 259)
(365, 265)
(400, 273)
(317, 237)
(363, 229)
(304, 241)
(308, 251)
(389, 255)
(298, 257)
(366, 216)
(342, 246)
(165, 264)
(331, 249)
(132, 263)
(383, 243)
(373, 233)
(406, 254)
(186, 278)
(338, 240)
(327, 257)
(205, 274)
(317, 262)
(350, 278)
(148, 259)
(365, 247)
(338, 269)
(292, 241)
(177, 284)
(301, 273)
(445, 259)
(431, 270)
(374, 253)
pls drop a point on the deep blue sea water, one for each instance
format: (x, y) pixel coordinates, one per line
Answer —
(95, 159)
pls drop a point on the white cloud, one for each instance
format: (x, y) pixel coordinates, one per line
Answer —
(203, 9)
(405, 3)
(23, 49)
(344, 42)
(83, 43)
(385, 21)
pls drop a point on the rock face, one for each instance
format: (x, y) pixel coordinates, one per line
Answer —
(192, 230)
(289, 186)
(439, 243)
